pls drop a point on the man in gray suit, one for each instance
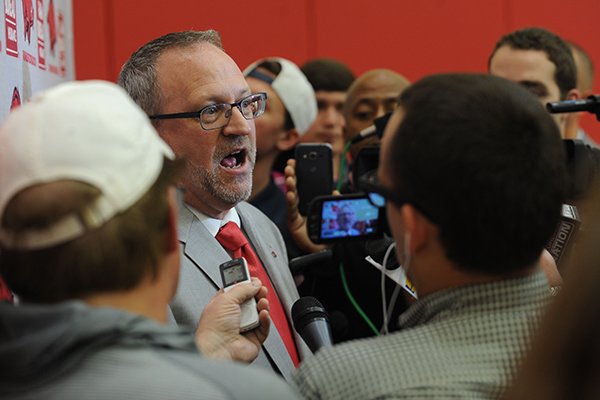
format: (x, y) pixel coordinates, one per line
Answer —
(202, 107)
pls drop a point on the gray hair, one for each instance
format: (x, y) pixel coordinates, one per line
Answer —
(138, 74)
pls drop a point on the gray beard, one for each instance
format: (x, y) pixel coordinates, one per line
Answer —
(208, 180)
(210, 183)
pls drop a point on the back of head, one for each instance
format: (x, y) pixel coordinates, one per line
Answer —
(556, 49)
(328, 75)
(481, 158)
(83, 203)
(138, 74)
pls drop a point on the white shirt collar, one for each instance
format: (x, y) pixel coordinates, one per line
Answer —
(213, 224)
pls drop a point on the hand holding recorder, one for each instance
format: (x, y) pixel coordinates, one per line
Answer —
(218, 335)
(233, 273)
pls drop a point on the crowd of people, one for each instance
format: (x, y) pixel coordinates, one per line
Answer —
(120, 202)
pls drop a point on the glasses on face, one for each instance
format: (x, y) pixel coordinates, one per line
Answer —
(215, 116)
(376, 192)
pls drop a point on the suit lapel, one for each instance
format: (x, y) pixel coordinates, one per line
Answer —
(200, 246)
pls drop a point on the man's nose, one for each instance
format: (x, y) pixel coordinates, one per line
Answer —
(238, 125)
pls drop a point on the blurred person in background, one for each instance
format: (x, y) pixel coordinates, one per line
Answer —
(330, 80)
(291, 109)
(371, 96)
(564, 362)
(585, 86)
(541, 62)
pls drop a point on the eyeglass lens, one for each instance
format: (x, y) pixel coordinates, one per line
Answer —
(376, 199)
(219, 114)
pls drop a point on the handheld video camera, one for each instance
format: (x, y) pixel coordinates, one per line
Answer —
(351, 216)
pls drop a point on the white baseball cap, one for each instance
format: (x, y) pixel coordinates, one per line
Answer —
(88, 131)
(294, 90)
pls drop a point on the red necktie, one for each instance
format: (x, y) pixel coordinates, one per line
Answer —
(232, 238)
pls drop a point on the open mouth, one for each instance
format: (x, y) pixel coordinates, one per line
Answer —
(234, 160)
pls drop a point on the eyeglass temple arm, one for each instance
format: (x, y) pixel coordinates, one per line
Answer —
(193, 114)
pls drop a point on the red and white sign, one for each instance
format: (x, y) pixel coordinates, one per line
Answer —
(27, 49)
(40, 35)
(10, 20)
(27, 62)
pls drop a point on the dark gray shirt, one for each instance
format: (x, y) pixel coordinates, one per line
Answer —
(72, 351)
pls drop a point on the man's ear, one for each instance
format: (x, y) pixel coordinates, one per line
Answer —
(171, 240)
(287, 139)
(570, 121)
(573, 94)
(417, 226)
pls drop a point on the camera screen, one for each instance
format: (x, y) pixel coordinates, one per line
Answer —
(348, 218)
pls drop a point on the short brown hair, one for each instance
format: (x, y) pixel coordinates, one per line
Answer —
(554, 46)
(116, 256)
(138, 74)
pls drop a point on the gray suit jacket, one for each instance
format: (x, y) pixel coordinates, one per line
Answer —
(200, 279)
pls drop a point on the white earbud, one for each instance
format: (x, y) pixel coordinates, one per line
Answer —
(406, 263)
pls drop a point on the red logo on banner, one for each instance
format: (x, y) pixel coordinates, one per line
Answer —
(16, 99)
(30, 58)
(28, 18)
(40, 35)
(10, 18)
(51, 25)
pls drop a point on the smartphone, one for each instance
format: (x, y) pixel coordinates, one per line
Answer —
(314, 172)
(343, 218)
(234, 272)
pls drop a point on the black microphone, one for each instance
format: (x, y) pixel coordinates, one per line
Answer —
(590, 104)
(312, 323)
(299, 265)
(376, 129)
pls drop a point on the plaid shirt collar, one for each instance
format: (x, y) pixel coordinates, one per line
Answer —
(476, 298)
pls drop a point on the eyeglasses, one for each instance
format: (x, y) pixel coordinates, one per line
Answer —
(215, 116)
(376, 192)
